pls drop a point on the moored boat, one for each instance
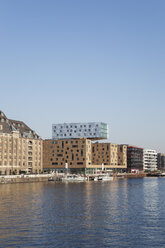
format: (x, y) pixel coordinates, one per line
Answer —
(107, 178)
(74, 178)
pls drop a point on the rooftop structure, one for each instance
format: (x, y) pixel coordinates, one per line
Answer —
(90, 130)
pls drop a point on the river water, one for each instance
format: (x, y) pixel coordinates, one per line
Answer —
(125, 213)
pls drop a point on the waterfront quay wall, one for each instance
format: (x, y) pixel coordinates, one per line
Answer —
(135, 175)
(44, 177)
(24, 178)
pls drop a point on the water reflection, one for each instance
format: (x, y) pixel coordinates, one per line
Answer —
(124, 213)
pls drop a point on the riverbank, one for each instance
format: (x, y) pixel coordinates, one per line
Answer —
(24, 178)
(46, 177)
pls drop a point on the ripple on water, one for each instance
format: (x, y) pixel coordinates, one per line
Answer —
(125, 213)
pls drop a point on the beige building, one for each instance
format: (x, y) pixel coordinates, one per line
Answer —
(111, 155)
(20, 148)
(81, 155)
(122, 155)
(76, 153)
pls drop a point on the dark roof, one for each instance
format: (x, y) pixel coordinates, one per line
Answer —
(129, 147)
(14, 125)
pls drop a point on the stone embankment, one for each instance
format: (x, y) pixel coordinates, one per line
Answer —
(135, 175)
(24, 178)
(54, 177)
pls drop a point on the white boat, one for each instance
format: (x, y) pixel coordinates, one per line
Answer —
(107, 178)
(74, 178)
(104, 178)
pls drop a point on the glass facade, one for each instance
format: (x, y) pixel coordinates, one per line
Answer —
(90, 130)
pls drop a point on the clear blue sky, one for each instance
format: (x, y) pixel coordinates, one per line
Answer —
(85, 60)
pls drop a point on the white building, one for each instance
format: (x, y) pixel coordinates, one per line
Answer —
(149, 160)
(90, 130)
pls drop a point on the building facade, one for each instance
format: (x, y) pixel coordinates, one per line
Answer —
(122, 155)
(134, 158)
(161, 161)
(20, 148)
(91, 130)
(150, 160)
(106, 153)
(75, 154)
(81, 155)
(112, 155)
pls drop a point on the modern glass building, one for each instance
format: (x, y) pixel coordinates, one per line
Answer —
(134, 158)
(161, 161)
(90, 130)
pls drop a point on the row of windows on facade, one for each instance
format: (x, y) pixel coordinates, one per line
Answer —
(61, 155)
(16, 144)
(56, 149)
(103, 149)
(85, 130)
(68, 158)
(102, 158)
(112, 164)
(19, 141)
(27, 134)
(16, 148)
(105, 153)
(95, 154)
(53, 151)
(14, 124)
(17, 157)
(14, 151)
(78, 163)
(70, 141)
(70, 134)
(75, 126)
(99, 144)
(73, 146)
(67, 148)
(17, 164)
